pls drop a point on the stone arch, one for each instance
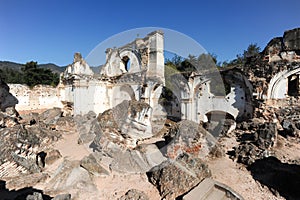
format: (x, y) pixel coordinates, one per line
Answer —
(132, 57)
(278, 86)
(218, 114)
(158, 112)
(126, 63)
(121, 93)
(216, 122)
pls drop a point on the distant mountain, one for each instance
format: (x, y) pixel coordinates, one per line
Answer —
(54, 68)
(96, 70)
(11, 65)
(16, 66)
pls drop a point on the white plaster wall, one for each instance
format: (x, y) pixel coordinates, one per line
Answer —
(39, 97)
(237, 99)
(119, 95)
(135, 65)
(79, 67)
(278, 86)
(101, 98)
(201, 101)
(137, 92)
(66, 93)
(280, 91)
(83, 98)
(208, 102)
(21, 92)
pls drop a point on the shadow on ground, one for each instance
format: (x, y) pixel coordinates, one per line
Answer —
(281, 177)
(20, 194)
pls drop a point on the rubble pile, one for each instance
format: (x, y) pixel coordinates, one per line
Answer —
(289, 119)
(256, 144)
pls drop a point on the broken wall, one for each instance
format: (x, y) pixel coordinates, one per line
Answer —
(38, 98)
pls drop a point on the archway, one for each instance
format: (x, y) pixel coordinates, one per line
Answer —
(219, 122)
(293, 85)
(284, 83)
(121, 93)
(126, 62)
(131, 60)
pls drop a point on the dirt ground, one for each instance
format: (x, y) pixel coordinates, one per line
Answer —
(236, 176)
(223, 169)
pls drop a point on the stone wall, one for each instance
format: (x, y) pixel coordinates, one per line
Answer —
(198, 100)
(285, 48)
(134, 71)
(38, 98)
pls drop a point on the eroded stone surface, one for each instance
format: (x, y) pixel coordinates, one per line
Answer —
(176, 177)
(190, 138)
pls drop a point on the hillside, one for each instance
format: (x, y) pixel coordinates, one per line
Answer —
(53, 67)
(17, 66)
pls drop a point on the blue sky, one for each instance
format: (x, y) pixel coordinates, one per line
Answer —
(51, 31)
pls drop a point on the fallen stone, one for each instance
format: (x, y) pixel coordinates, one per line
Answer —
(92, 164)
(87, 134)
(247, 153)
(65, 125)
(289, 128)
(86, 125)
(140, 160)
(35, 196)
(62, 197)
(6, 98)
(209, 189)
(52, 156)
(68, 176)
(127, 123)
(266, 135)
(134, 194)
(50, 116)
(25, 180)
(176, 177)
(189, 138)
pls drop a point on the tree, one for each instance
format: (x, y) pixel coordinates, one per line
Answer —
(35, 76)
(253, 50)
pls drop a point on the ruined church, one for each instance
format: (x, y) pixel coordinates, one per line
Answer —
(136, 71)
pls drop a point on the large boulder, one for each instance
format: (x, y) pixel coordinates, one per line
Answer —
(8, 113)
(247, 153)
(51, 156)
(92, 164)
(256, 145)
(116, 134)
(6, 98)
(266, 135)
(288, 118)
(127, 123)
(70, 178)
(62, 197)
(65, 125)
(139, 160)
(189, 137)
(87, 127)
(50, 116)
(176, 177)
